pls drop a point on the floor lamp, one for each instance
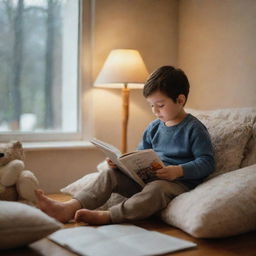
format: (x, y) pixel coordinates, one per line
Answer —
(125, 69)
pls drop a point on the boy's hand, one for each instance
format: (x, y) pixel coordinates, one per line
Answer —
(169, 172)
(111, 164)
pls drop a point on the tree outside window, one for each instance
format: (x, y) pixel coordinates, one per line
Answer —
(39, 65)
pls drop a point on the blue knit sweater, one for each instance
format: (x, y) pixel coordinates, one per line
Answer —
(187, 144)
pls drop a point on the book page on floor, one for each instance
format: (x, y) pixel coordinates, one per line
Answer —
(118, 239)
(138, 165)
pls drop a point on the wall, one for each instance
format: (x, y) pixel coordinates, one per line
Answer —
(217, 50)
(149, 26)
(56, 168)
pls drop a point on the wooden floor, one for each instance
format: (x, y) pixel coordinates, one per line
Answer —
(242, 245)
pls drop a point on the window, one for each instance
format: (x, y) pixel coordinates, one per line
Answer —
(39, 49)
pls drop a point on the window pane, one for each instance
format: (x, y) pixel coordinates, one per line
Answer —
(38, 65)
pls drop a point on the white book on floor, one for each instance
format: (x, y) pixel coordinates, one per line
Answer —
(121, 240)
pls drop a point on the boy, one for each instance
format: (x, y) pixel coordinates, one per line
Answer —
(181, 141)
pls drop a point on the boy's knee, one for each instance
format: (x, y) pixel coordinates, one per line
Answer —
(158, 193)
(164, 187)
(158, 186)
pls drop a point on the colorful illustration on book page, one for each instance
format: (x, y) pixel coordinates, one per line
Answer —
(148, 174)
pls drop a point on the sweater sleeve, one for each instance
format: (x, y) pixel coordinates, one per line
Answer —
(203, 163)
(145, 142)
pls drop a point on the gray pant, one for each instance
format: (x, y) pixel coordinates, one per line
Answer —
(141, 202)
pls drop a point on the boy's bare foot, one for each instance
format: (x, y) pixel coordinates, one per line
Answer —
(62, 211)
(93, 217)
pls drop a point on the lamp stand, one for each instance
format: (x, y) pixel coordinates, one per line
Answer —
(125, 117)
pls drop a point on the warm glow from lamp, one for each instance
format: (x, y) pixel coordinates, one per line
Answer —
(123, 68)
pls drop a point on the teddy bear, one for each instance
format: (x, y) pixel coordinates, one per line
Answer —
(16, 183)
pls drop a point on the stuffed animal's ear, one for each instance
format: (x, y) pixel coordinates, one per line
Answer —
(17, 150)
(17, 144)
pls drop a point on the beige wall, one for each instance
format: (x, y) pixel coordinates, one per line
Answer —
(56, 168)
(149, 26)
(217, 42)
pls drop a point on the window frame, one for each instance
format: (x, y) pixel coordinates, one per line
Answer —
(86, 8)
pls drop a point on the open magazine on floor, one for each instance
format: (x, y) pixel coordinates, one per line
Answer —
(139, 165)
(117, 239)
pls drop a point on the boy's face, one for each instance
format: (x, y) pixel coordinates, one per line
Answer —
(164, 107)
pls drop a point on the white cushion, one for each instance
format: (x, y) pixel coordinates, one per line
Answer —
(21, 224)
(78, 185)
(242, 115)
(229, 139)
(220, 207)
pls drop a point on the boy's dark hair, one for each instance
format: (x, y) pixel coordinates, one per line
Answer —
(169, 80)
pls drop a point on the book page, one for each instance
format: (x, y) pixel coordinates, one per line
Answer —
(122, 240)
(155, 243)
(106, 146)
(143, 163)
(131, 174)
(113, 154)
(110, 151)
(77, 237)
(117, 230)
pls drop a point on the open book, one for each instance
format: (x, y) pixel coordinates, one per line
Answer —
(139, 165)
(122, 240)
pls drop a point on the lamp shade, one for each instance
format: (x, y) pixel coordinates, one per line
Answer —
(122, 66)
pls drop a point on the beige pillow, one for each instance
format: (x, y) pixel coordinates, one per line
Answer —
(242, 115)
(21, 224)
(220, 207)
(250, 150)
(78, 185)
(229, 139)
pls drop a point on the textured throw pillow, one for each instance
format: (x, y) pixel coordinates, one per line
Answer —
(242, 115)
(220, 207)
(21, 224)
(250, 150)
(229, 139)
(78, 185)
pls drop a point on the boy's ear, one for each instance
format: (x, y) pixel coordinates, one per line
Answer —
(181, 99)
